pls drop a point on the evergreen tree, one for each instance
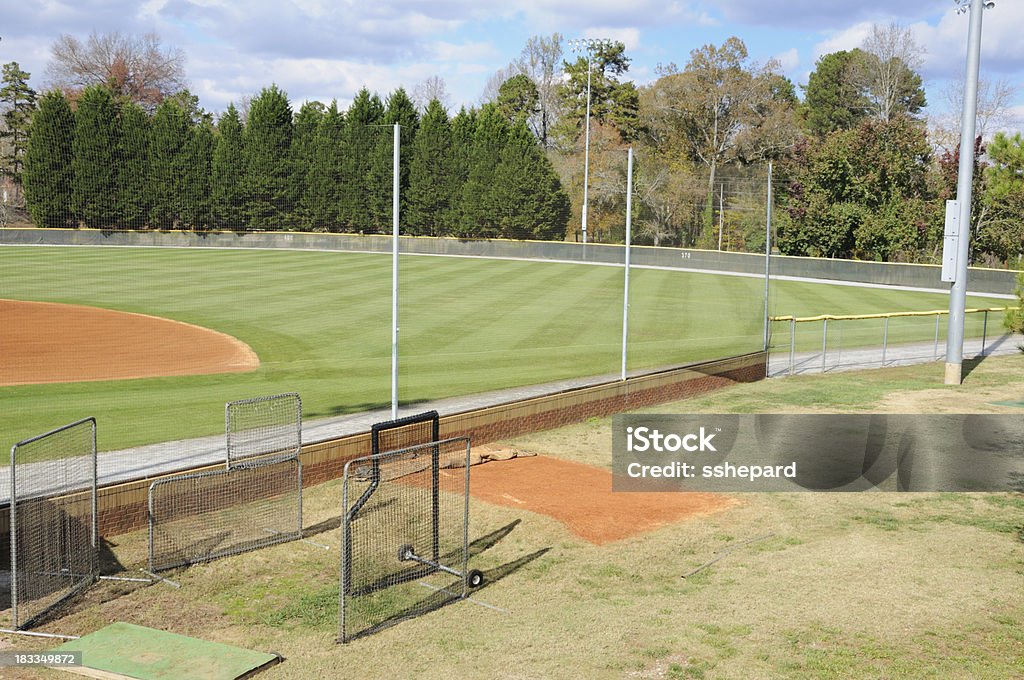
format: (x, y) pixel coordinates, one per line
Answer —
(380, 182)
(94, 189)
(197, 211)
(832, 101)
(269, 188)
(529, 202)
(167, 165)
(361, 121)
(518, 98)
(432, 189)
(132, 166)
(20, 102)
(227, 169)
(324, 194)
(307, 121)
(48, 167)
(463, 127)
(478, 193)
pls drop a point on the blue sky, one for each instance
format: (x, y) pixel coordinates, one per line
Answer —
(328, 49)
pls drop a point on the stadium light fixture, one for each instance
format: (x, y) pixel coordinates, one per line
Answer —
(588, 45)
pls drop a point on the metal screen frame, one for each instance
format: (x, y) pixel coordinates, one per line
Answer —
(378, 432)
(64, 494)
(289, 446)
(369, 469)
(236, 475)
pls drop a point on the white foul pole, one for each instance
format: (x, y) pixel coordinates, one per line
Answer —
(394, 275)
(767, 253)
(629, 227)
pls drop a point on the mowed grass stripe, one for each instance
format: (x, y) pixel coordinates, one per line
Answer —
(321, 325)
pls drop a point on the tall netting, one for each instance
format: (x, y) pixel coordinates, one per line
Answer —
(405, 525)
(53, 519)
(263, 429)
(204, 516)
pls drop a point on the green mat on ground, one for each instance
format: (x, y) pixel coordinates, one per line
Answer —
(1018, 404)
(124, 649)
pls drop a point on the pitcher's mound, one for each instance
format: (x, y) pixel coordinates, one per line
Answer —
(44, 342)
(580, 497)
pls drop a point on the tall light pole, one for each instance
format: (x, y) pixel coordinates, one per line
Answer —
(588, 45)
(965, 178)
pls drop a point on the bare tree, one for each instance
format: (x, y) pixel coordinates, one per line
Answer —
(494, 83)
(888, 73)
(540, 60)
(430, 89)
(138, 68)
(995, 100)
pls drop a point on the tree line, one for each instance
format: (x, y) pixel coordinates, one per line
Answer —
(102, 161)
(859, 171)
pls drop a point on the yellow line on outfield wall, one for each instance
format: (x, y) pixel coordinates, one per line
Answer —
(889, 315)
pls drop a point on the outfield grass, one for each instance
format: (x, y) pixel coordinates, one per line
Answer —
(321, 325)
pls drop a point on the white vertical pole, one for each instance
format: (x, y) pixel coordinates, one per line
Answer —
(767, 252)
(721, 212)
(586, 149)
(394, 275)
(965, 176)
(629, 227)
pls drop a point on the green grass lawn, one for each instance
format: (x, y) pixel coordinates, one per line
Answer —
(321, 325)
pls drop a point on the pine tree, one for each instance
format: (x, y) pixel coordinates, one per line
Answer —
(324, 193)
(463, 128)
(380, 180)
(269, 188)
(197, 211)
(489, 138)
(20, 102)
(167, 160)
(432, 189)
(48, 167)
(528, 199)
(361, 127)
(94, 189)
(227, 172)
(307, 121)
(133, 203)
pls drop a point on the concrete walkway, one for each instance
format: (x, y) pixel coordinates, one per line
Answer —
(781, 363)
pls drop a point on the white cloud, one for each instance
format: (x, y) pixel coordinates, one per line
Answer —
(788, 60)
(847, 39)
(630, 37)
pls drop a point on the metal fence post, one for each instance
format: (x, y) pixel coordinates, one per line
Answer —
(984, 333)
(885, 339)
(792, 345)
(824, 340)
(935, 351)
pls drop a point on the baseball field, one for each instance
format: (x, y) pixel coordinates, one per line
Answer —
(319, 323)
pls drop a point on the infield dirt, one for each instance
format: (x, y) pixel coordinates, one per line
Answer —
(44, 342)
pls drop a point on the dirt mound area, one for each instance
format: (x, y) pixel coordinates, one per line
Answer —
(580, 497)
(43, 342)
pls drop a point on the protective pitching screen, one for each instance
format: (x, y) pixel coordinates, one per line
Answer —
(208, 515)
(53, 519)
(402, 433)
(405, 535)
(263, 429)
